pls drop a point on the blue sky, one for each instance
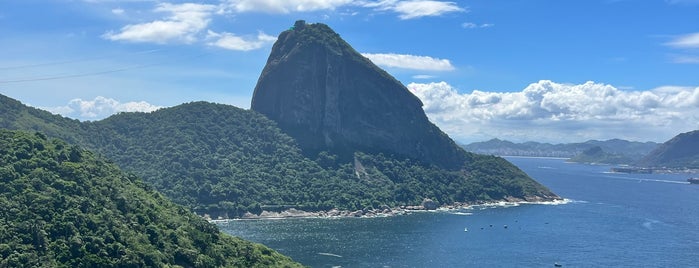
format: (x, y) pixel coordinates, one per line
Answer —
(540, 70)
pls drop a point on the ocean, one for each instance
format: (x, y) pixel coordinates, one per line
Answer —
(607, 220)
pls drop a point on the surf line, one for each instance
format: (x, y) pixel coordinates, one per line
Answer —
(329, 254)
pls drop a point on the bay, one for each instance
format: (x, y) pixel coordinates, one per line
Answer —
(623, 220)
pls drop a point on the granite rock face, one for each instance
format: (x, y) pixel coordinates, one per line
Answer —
(330, 98)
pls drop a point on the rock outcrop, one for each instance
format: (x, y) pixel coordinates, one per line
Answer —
(330, 98)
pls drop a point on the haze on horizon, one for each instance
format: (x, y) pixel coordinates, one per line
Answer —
(554, 72)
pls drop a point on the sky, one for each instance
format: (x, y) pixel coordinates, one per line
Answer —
(520, 70)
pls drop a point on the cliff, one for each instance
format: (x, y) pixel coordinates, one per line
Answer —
(328, 97)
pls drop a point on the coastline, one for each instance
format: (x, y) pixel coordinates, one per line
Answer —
(534, 157)
(456, 208)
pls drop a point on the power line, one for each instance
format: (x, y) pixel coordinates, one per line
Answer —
(71, 61)
(76, 75)
(56, 77)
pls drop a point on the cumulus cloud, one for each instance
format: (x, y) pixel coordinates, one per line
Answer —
(685, 41)
(284, 6)
(184, 22)
(100, 107)
(403, 61)
(233, 42)
(413, 9)
(554, 112)
(187, 22)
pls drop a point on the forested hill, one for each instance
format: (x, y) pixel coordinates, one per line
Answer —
(225, 161)
(15, 115)
(61, 206)
(682, 151)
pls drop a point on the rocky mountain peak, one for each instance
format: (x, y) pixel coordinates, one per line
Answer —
(330, 98)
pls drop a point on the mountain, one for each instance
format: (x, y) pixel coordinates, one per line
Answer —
(328, 97)
(597, 155)
(226, 162)
(63, 206)
(15, 115)
(682, 151)
(626, 149)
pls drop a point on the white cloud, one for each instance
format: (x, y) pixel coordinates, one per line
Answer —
(406, 9)
(685, 59)
(100, 107)
(118, 11)
(184, 23)
(413, 9)
(471, 25)
(423, 76)
(554, 112)
(233, 42)
(413, 62)
(284, 6)
(685, 41)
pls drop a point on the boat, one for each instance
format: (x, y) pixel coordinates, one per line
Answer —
(632, 170)
(557, 265)
(466, 229)
(693, 180)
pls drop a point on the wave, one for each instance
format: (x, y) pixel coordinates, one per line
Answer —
(460, 213)
(648, 224)
(507, 204)
(329, 254)
(645, 180)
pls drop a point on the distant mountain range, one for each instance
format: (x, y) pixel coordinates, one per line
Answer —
(680, 152)
(623, 151)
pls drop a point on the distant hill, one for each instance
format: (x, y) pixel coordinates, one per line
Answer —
(625, 149)
(64, 207)
(597, 155)
(682, 151)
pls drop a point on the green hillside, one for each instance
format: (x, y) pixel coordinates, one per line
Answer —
(224, 161)
(682, 151)
(61, 206)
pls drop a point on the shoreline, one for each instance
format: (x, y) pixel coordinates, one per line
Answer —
(535, 157)
(456, 208)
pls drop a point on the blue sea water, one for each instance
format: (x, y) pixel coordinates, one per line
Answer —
(612, 220)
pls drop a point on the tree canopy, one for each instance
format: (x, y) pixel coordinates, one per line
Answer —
(225, 161)
(63, 206)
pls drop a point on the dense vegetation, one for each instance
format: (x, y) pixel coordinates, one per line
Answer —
(61, 206)
(225, 161)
